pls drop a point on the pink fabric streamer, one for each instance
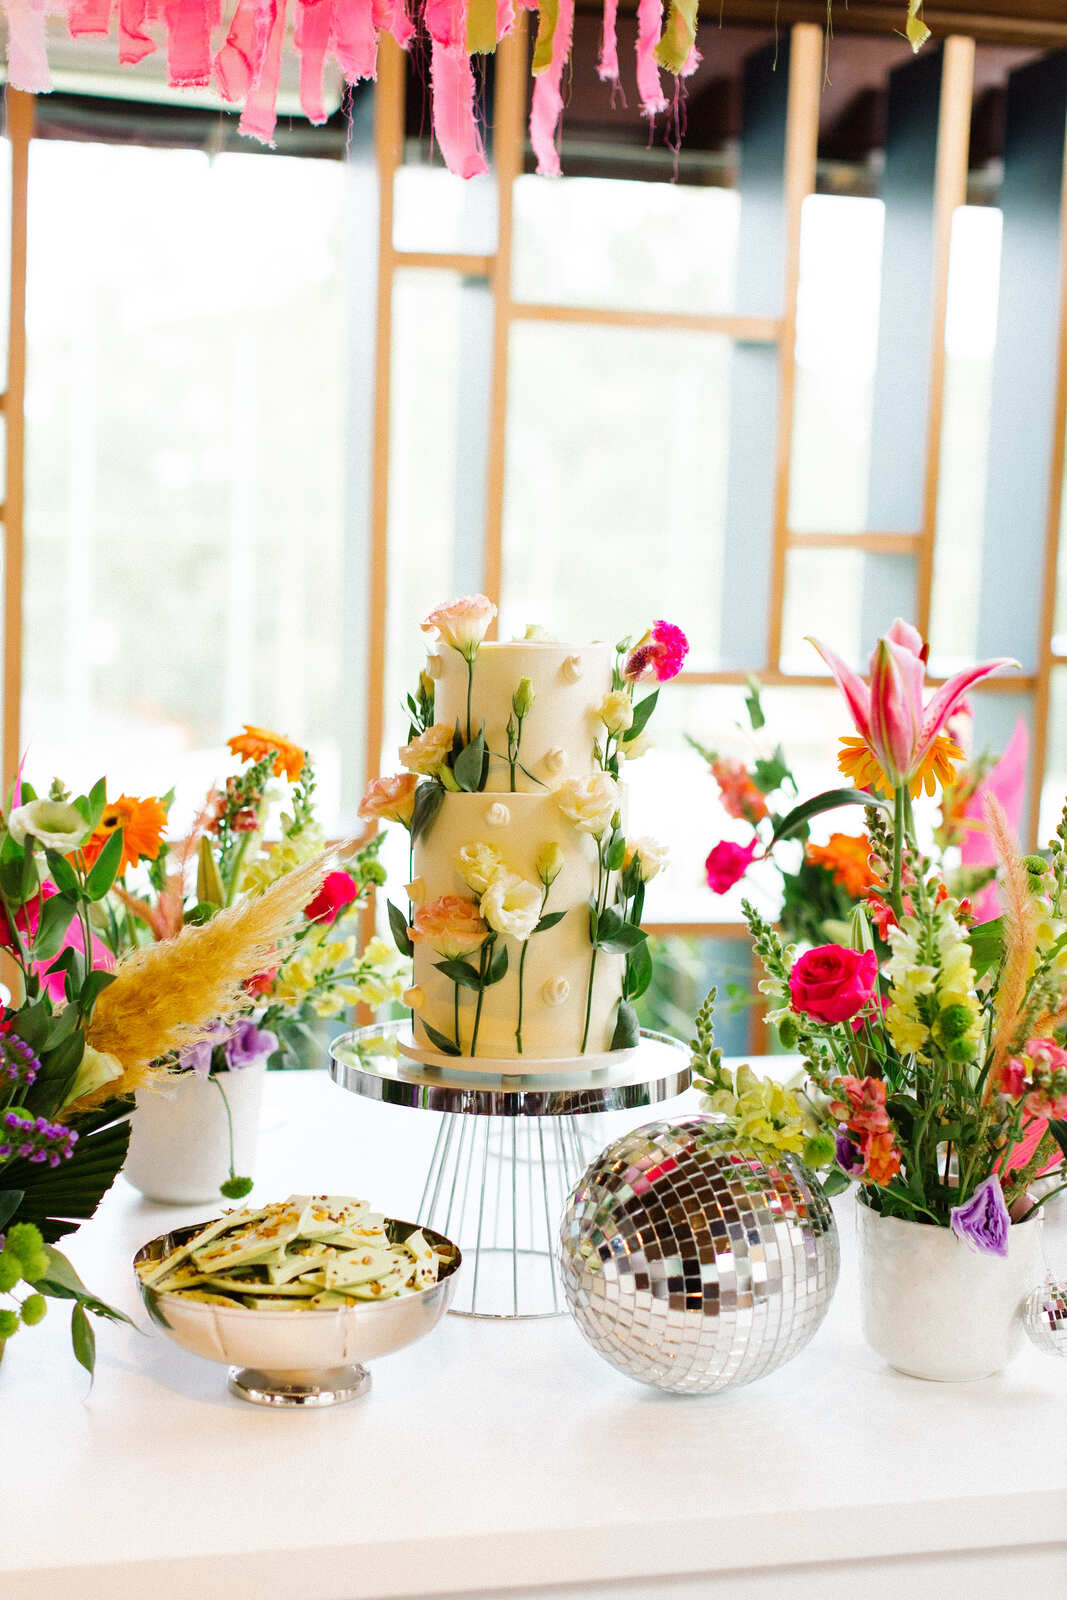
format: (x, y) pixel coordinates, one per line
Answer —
(88, 17)
(446, 22)
(505, 17)
(692, 62)
(546, 107)
(27, 58)
(390, 16)
(353, 39)
(134, 43)
(608, 65)
(649, 28)
(237, 63)
(1007, 781)
(189, 24)
(311, 36)
(260, 117)
(454, 123)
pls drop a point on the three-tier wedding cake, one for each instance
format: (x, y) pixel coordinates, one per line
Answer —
(524, 907)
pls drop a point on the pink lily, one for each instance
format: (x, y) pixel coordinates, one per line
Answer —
(890, 715)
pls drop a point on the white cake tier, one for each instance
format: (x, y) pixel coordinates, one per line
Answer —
(556, 973)
(569, 684)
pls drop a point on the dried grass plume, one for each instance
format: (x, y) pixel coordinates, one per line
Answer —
(165, 994)
(1020, 932)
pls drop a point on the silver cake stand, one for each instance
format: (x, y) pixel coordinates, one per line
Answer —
(509, 1150)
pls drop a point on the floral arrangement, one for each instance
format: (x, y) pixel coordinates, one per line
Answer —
(468, 932)
(936, 1077)
(822, 883)
(84, 1030)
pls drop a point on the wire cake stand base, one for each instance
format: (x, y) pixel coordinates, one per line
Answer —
(509, 1150)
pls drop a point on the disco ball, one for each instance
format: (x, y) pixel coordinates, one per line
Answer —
(1045, 1318)
(695, 1261)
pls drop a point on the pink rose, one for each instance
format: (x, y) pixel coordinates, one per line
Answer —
(451, 925)
(390, 799)
(337, 891)
(728, 863)
(463, 623)
(831, 983)
(658, 655)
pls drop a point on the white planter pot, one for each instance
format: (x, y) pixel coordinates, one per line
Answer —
(179, 1144)
(935, 1308)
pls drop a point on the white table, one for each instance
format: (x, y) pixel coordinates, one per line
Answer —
(495, 1457)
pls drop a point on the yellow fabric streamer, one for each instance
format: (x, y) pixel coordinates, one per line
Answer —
(481, 27)
(547, 17)
(915, 28)
(679, 36)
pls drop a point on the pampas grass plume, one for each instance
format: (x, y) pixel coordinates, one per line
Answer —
(1020, 930)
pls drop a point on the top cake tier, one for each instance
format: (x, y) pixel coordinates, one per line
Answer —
(558, 732)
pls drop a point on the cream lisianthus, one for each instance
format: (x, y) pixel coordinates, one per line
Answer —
(478, 864)
(632, 749)
(511, 905)
(452, 925)
(550, 863)
(616, 711)
(590, 803)
(55, 824)
(651, 856)
(429, 752)
(462, 623)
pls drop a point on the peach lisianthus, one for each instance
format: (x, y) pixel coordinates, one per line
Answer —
(452, 925)
(429, 751)
(461, 623)
(390, 799)
(254, 743)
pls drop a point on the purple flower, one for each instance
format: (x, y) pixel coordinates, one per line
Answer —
(249, 1044)
(197, 1058)
(848, 1156)
(18, 1064)
(35, 1139)
(983, 1221)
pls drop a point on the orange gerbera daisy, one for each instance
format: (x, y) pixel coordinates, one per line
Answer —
(862, 768)
(142, 823)
(846, 859)
(255, 743)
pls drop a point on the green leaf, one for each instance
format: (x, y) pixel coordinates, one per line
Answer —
(32, 1024)
(615, 854)
(624, 939)
(835, 1182)
(627, 1028)
(97, 801)
(770, 772)
(1058, 1131)
(202, 912)
(93, 987)
(468, 765)
(428, 799)
(642, 711)
(83, 1338)
(461, 972)
(638, 971)
(62, 874)
(440, 1041)
(987, 945)
(56, 918)
(10, 1200)
(102, 873)
(754, 705)
(498, 964)
(795, 820)
(594, 921)
(61, 1281)
(549, 920)
(609, 924)
(399, 925)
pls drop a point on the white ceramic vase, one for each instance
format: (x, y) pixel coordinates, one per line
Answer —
(935, 1308)
(179, 1141)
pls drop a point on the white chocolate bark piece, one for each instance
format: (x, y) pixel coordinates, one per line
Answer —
(557, 961)
(563, 716)
(358, 1266)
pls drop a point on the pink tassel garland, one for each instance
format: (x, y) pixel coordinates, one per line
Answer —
(311, 36)
(454, 123)
(260, 117)
(649, 27)
(608, 65)
(546, 108)
(134, 43)
(189, 25)
(353, 40)
(27, 58)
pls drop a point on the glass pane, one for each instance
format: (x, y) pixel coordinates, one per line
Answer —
(435, 210)
(625, 244)
(970, 334)
(1054, 786)
(836, 350)
(185, 461)
(823, 594)
(616, 468)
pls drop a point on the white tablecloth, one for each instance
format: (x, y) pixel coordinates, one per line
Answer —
(494, 1457)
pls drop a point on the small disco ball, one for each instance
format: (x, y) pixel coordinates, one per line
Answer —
(695, 1261)
(1045, 1318)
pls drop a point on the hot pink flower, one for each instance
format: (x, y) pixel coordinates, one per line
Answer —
(832, 983)
(728, 863)
(889, 715)
(338, 891)
(658, 655)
